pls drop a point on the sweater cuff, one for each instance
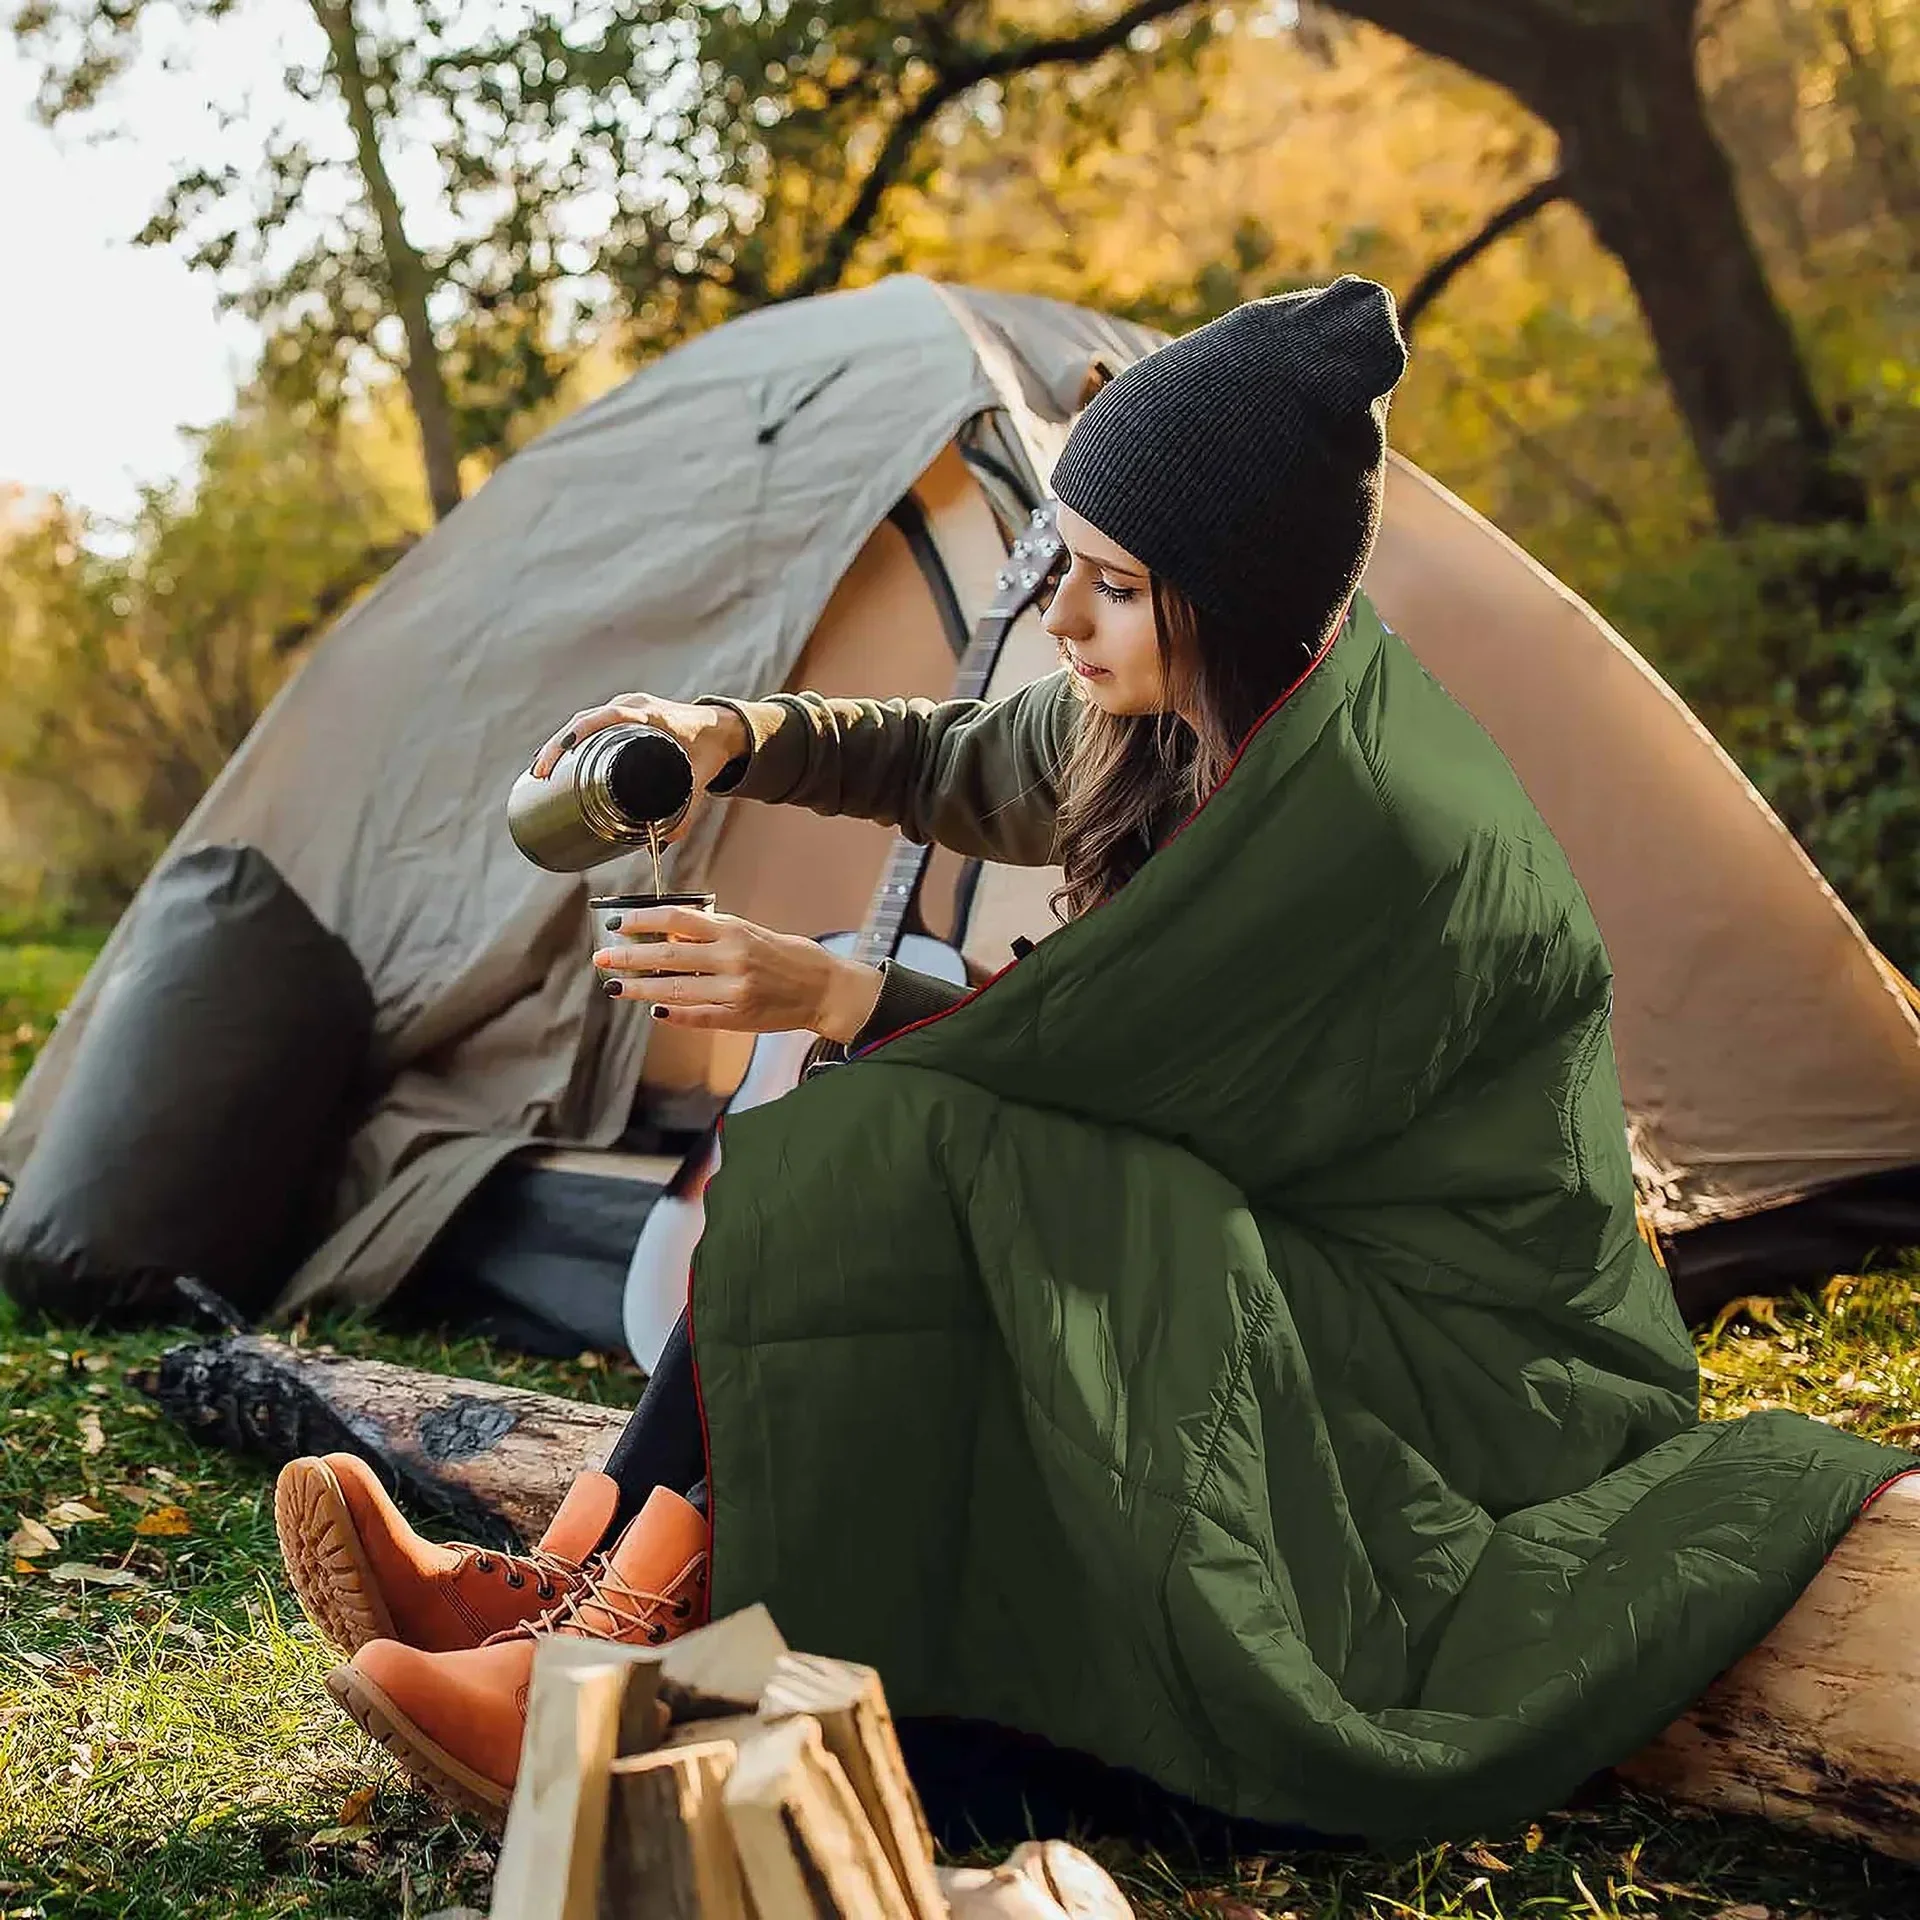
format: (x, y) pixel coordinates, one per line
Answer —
(770, 766)
(905, 997)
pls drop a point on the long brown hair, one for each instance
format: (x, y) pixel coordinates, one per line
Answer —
(1123, 773)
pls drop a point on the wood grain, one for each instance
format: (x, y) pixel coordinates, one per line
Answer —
(670, 1853)
(1819, 1726)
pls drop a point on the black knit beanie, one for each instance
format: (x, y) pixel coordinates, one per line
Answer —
(1244, 462)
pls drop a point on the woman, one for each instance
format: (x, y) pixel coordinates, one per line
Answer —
(1210, 1346)
(1170, 655)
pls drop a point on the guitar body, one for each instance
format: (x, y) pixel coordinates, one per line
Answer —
(661, 1269)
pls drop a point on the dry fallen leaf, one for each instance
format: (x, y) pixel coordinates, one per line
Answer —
(31, 1537)
(355, 1804)
(1760, 1308)
(1481, 1857)
(92, 1436)
(167, 1522)
(83, 1573)
(70, 1513)
(24, 1566)
(136, 1496)
(1747, 1912)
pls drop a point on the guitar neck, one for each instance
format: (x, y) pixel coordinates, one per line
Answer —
(906, 867)
(1020, 585)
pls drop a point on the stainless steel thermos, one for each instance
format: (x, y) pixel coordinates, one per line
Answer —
(602, 799)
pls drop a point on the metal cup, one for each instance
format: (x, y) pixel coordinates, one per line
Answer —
(605, 906)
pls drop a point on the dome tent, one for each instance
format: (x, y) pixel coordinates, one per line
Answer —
(820, 494)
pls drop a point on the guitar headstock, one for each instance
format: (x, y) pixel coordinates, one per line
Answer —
(1034, 564)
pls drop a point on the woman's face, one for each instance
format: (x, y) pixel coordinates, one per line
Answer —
(1102, 619)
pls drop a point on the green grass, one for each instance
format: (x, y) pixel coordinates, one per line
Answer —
(36, 981)
(166, 1749)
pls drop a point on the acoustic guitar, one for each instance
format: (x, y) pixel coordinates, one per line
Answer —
(661, 1269)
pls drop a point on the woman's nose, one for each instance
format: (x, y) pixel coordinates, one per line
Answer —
(1064, 619)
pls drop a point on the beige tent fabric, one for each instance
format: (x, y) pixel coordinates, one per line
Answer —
(684, 531)
(1765, 1049)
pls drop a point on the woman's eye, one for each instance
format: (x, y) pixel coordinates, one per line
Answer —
(1119, 595)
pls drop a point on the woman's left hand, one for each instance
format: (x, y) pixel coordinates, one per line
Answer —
(715, 970)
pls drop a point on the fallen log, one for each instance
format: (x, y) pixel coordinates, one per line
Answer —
(1819, 1726)
(491, 1462)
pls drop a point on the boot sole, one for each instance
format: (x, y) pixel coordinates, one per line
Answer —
(448, 1780)
(326, 1564)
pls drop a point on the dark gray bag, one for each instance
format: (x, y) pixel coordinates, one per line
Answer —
(205, 1108)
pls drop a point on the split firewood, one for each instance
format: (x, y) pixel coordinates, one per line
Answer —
(721, 1669)
(492, 1462)
(995, 1893)
(1081, 1887)
(1819, 1725)
(643, 1716)
(733, 1727)
(804, 1843)
(670, 1852)
(556, 1826)
(850, 1706)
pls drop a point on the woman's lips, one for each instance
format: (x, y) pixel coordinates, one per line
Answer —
(1084, 670)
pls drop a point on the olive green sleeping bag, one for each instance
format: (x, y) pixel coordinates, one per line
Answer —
(1222, 1345)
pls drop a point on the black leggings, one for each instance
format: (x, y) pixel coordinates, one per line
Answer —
(662, 1445)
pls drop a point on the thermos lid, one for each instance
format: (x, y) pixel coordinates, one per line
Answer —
(649, 776)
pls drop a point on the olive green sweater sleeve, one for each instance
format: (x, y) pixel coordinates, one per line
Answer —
(979, 776)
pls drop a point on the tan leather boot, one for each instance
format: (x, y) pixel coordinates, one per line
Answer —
(455, 1720)
(363, 1574)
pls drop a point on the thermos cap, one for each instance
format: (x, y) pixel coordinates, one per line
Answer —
(602, 798)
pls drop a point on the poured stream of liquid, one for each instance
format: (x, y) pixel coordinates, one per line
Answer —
(653, 847)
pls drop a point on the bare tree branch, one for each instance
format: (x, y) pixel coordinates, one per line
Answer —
(949, 84)
(1537, 450)
(1435, 281)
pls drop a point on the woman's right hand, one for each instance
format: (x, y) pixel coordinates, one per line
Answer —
(711, 736)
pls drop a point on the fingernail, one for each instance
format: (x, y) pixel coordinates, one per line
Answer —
(569, 740)
(613, 923)
(613, 988)
(659, 1012)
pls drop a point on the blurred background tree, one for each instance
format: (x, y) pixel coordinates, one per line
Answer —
(302, 222)
(134, 670)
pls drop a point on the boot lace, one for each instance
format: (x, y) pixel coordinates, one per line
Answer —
(552, 1571)
(633, 1610)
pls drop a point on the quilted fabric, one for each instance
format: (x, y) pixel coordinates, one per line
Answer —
(1222, 1344)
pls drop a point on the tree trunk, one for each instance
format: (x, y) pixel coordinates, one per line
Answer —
(1618, 84)
(407, 273)
(1644, 166)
